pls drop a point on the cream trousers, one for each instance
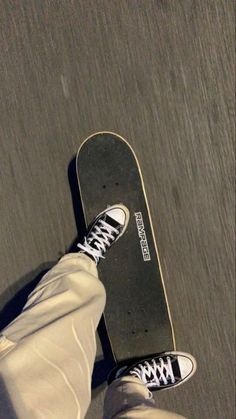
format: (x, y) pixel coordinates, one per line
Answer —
(47, 353)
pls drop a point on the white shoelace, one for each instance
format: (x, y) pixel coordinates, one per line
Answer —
(101, 235)
(149, 370)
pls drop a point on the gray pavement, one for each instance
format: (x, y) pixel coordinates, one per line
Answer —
(161, 74)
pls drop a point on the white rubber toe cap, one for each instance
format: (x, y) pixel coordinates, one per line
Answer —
(187, 365)
(118, 215)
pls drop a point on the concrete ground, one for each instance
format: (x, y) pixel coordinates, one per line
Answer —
(161, 74)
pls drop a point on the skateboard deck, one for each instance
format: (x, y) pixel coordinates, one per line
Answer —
(137, 315)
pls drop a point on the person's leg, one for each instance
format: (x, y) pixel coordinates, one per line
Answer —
(47, 352)
(129, 398)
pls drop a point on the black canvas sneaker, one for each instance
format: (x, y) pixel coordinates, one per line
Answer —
(106, 229)
(164, 371)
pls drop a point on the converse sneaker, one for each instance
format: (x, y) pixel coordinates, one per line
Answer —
(106, 229)
(164, 371)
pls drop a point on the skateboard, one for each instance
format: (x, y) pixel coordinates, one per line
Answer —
(137, 314)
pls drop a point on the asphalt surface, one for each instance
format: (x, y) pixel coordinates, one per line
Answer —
(161, 74)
